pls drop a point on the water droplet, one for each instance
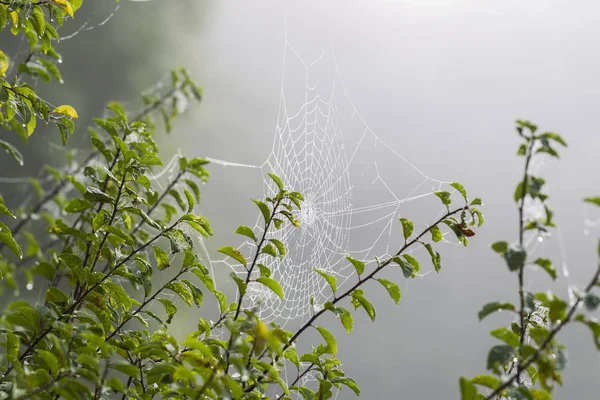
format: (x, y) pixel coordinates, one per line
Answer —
(515, 360)
(29, 286)
(24, 126)
(540, 239)
(60, 60)
(61, 81)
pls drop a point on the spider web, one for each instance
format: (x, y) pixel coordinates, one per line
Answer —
(355, 187)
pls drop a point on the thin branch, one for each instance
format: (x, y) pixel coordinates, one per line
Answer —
(300, 376)
(407, 244)
(144, 304)
(308, 323)
(521, 234)
(249, 274)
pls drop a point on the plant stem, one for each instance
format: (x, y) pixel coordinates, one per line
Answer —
(406, 245)
(522, 268)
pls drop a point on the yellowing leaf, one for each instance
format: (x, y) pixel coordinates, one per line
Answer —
(66, 110)
(66, 5)
(14, 18)
(3, 63)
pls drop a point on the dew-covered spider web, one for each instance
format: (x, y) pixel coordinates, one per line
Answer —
(355, 187)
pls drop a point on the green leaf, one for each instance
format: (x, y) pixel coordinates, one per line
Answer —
(346, 319)
(195, 189)
(500, 247)
(490, 308)
(329, 339)
(507, 336)
(197, 293)
(7, 238)
(358, 300)
(280, 247)
(554, 136)
(540, 394)
(445, 197)
(264, 209)
(277, 180)
(522, 150)
(349, 383)
(460, 189)
(591, 301)
(467, 390)
(77, 206)
(515, 257)
(264, 270)
(162, 258)
(12, 150)
(436, 233)
(476, 202)
(594, 327)
(271, 284)
(118, 294)
(126, 368)
(547, 266)
(182, 290)
(4, 210)
(241, 284)
(436, 259)
(169, 308)
(12, 345)
(158, 372)
(150, 159)
(526, 124)
(55, 295)
(97, 195)
(392, 288)
(358, 265)
(500, 355)
(121, 234)
(269, 249)
(49, 360)
(488, 381)
(190, 200)
(72, 261)
(519, 192)
(407, 227)
(44, 269)
(414, 263)
(593, 200)
(406, 268)
(177, 196)
(246, 231)
(331, 280)
(233, 253)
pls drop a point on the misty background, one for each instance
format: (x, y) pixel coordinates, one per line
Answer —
(440, 81)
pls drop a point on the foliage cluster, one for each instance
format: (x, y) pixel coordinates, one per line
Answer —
(529, 362)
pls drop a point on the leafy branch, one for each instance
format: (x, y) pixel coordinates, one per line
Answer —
(548, 341)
